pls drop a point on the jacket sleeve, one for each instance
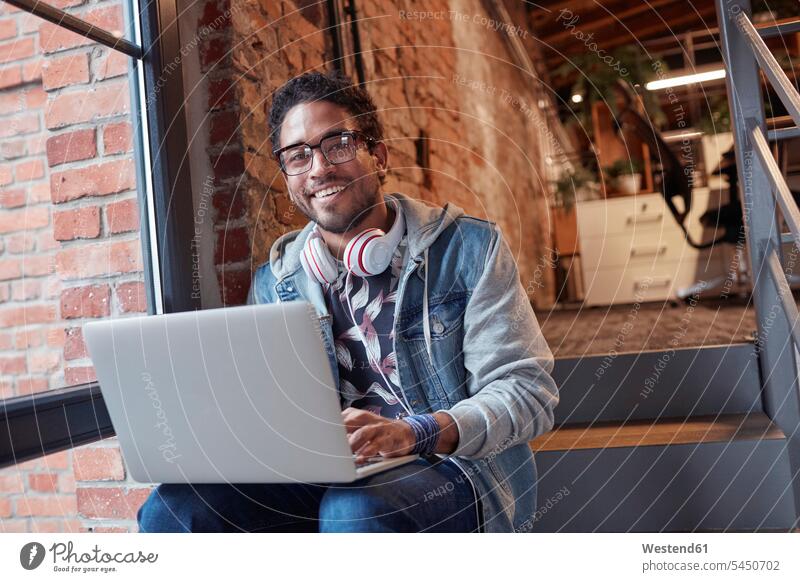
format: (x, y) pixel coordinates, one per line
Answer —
(508, 362)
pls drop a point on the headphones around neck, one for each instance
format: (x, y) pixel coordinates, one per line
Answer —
(368, 253)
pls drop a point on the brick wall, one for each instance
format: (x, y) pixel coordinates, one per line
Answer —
(448, 81)
(69, 234)
(69, 244)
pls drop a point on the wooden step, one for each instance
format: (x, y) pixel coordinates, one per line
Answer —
(671, 431)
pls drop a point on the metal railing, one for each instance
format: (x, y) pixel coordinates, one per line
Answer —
(764, 191)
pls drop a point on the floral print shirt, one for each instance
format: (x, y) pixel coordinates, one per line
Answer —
(361, 384)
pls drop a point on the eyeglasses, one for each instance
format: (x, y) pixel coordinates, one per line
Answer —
(338, 148)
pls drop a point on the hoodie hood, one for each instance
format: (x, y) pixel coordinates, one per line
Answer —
(424, 224)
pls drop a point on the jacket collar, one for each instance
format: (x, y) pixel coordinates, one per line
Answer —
(424, 223)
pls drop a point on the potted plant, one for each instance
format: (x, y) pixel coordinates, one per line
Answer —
(574, 184)
(625, 175)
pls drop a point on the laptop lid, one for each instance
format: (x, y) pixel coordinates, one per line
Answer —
(233, 395)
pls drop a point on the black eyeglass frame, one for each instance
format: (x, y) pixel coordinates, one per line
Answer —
(356, 135)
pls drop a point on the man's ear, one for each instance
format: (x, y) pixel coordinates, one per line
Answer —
(381, 154)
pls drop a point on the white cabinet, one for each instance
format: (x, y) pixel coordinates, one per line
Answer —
(632, 249)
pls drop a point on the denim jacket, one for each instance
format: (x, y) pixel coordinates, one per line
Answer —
(467, 343)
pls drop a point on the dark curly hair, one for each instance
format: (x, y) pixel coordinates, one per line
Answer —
(334, 87)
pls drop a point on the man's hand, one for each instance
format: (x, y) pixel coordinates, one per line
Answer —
(371, 435)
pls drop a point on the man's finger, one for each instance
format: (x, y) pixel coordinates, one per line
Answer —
(358, 438)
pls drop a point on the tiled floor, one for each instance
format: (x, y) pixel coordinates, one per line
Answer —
(651, 326)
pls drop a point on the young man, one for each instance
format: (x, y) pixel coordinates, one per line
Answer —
(431, 337)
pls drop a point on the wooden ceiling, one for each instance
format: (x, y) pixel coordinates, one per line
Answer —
(563, 27)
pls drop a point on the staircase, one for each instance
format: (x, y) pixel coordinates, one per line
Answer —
(711, 440)
(696, 452)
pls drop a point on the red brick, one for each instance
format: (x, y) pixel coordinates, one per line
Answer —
(11, 150)
(110, 502)
(20, 125)
(50, 505)
(66, 483)
(224, 127)
(12, 198)
(227, 165)
(47, 482)
(77, 223)
(8, 28)
(229, 204)
(87, 105)
(96, 180)
(28, 338)
(79, 375)
(88, 301)
(12, 102)
(235, 283)
(17, 50)
(6, 342)
(220, 93)
(54, 38)
(117, 138)
(32, 72)
(12, 365)
(99, 259)
(98, 464)
(233, 246)
(65, 71)
(131, 297)
(71, 147)
(26, 289)
(46, 242)
(6, 175)
(37, 265)
(56, 337)
(5, 508)
(10, 269)
(27, 315)
(122, 216)
(112, 64)
(43, 362)
(52, 462)
(20, 243)
(74, 348)
(35, 98)
(10, 77)
(213, 53)
(29, 170)
(36, 144)
(39, 193)
(11, 482)
(14, 525)
(28, 218)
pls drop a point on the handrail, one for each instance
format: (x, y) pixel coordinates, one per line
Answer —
(780, 82)
(780, 189)
(785, 294)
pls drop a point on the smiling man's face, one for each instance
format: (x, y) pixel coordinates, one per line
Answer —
(347, 209)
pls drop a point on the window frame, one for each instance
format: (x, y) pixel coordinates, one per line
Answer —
(43, 423)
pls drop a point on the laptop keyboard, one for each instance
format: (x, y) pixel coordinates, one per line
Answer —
(367, 462)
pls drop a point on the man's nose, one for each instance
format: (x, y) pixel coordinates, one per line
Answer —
(320, 166)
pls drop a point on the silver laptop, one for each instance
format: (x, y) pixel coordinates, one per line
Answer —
(236, 395)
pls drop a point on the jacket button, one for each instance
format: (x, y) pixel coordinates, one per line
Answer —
(438, 327)
(289, 288)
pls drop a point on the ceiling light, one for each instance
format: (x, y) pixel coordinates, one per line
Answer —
(686, 79)
(577, 98)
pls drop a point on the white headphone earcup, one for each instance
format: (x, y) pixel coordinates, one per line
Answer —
(354, 252)
(376, 255)
(317, 261)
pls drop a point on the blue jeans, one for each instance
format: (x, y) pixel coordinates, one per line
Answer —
(415, 497)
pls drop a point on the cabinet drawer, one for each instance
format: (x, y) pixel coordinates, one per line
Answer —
(641, 283)
(639, 248)
(621, 215)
